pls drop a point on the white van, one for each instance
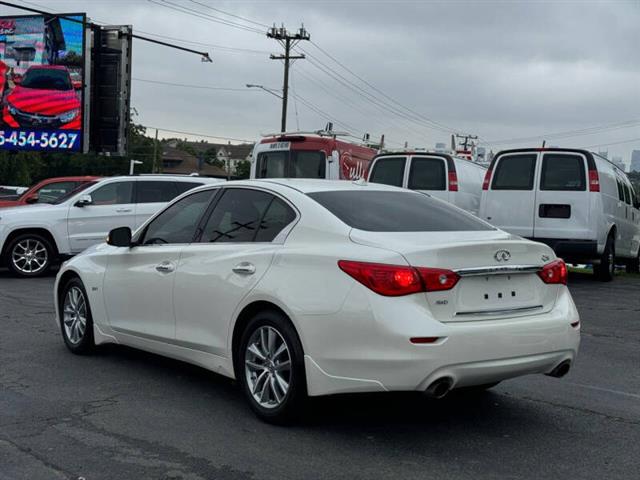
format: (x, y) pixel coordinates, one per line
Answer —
(575, 201)
(455, 180)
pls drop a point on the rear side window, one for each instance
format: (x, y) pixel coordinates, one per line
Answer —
(427, 174)
(237, 216)
(515, 172)
(389, 171)
(182, 187)
(563, 172)
(155, 191)
(620, 190)
(401, 211)
(627, 194)
(277, 217)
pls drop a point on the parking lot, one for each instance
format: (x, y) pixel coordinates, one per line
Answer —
(131, 415)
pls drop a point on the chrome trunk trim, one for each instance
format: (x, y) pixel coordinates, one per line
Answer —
(498, 270)
(503, 311)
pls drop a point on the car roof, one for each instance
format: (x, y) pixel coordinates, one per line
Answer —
(308, 185)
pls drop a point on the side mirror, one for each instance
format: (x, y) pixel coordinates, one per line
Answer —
(84, 200)
(119, 237)
(33, 198)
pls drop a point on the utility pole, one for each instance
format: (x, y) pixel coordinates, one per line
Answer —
(467, 139)
(156, 165)
(288, 41)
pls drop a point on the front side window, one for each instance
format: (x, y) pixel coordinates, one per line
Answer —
(515, 172)
(178, 223)
(562, 173)
(155, 191)
(396, 211)
(427, 174)
(388, 171)
(238, 216)
(113, 194)
(272, 165)
(52, 192)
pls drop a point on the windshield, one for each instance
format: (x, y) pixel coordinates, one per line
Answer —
(47, 79)
(66, 197)
(408, 211)
(291, 164)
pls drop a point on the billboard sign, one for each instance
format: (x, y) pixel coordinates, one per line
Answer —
(42, 72)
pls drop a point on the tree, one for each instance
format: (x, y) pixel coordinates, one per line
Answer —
(243, 169)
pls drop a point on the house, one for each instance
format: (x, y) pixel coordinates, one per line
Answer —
(176, 161)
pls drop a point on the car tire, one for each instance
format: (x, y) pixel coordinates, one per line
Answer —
(76, 322)
(29, 255)
(605, 271)
(270, 368)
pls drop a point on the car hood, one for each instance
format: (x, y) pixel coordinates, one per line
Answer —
(26, 209)
(43, 102)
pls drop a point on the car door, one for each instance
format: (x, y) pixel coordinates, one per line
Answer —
(510, 199)
(562, 199)
(239, 239)
(622, 223)
(138, 283)
(429, 174)
(111, 206)
(628, 217)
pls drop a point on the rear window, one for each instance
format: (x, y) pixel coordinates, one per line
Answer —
(427, 174)
(389, 171)
(379, 211)
(563, 172)
(515, 172)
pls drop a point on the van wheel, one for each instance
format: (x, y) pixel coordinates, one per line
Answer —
(606, 270)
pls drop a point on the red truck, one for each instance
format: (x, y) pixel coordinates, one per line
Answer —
(310, 155)
(48, 191)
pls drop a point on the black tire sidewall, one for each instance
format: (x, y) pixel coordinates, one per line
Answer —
(291, 407)
(87, 344)
(605, 271)
(20, 238)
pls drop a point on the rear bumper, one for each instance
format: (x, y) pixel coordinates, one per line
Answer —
(576, 250)
(469, 353)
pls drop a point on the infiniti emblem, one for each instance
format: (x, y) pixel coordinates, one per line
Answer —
(502, 256)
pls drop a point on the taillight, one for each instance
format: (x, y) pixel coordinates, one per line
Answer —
(554, 272)
(487, 178)
(437, 279)
(398, 280)
(594, 181)
(453, 181)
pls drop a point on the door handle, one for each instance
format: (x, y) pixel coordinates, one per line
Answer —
(123, 210)
(165, 267)
(245, 268)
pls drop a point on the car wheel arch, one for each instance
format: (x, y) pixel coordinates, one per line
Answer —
(25, 231)
(62, 282)
(243, 318)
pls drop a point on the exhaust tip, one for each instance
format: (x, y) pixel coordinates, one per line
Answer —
(439, 388)
(561, 370)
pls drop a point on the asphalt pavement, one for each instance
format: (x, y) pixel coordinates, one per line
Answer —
(124, 414)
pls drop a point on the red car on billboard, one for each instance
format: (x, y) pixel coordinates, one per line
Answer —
(48, 191)
(44, 99)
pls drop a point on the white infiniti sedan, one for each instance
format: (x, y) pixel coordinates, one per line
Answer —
(306, 287)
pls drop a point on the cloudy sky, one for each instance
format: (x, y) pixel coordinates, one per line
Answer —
(507, 71)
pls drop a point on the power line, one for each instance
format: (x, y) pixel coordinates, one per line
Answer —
(569, 133)
(204, 16)
(182, 132)
(186, 85)
(614, 143)
(230, 14)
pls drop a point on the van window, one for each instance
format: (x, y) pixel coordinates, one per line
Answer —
(427, 174)
(627, 194)
(620, 190)
(515, 172)
(389, 171)
(562, 172)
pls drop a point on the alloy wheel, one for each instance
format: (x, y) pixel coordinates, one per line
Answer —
(268, 367)
(74, 315)
(30, 256)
